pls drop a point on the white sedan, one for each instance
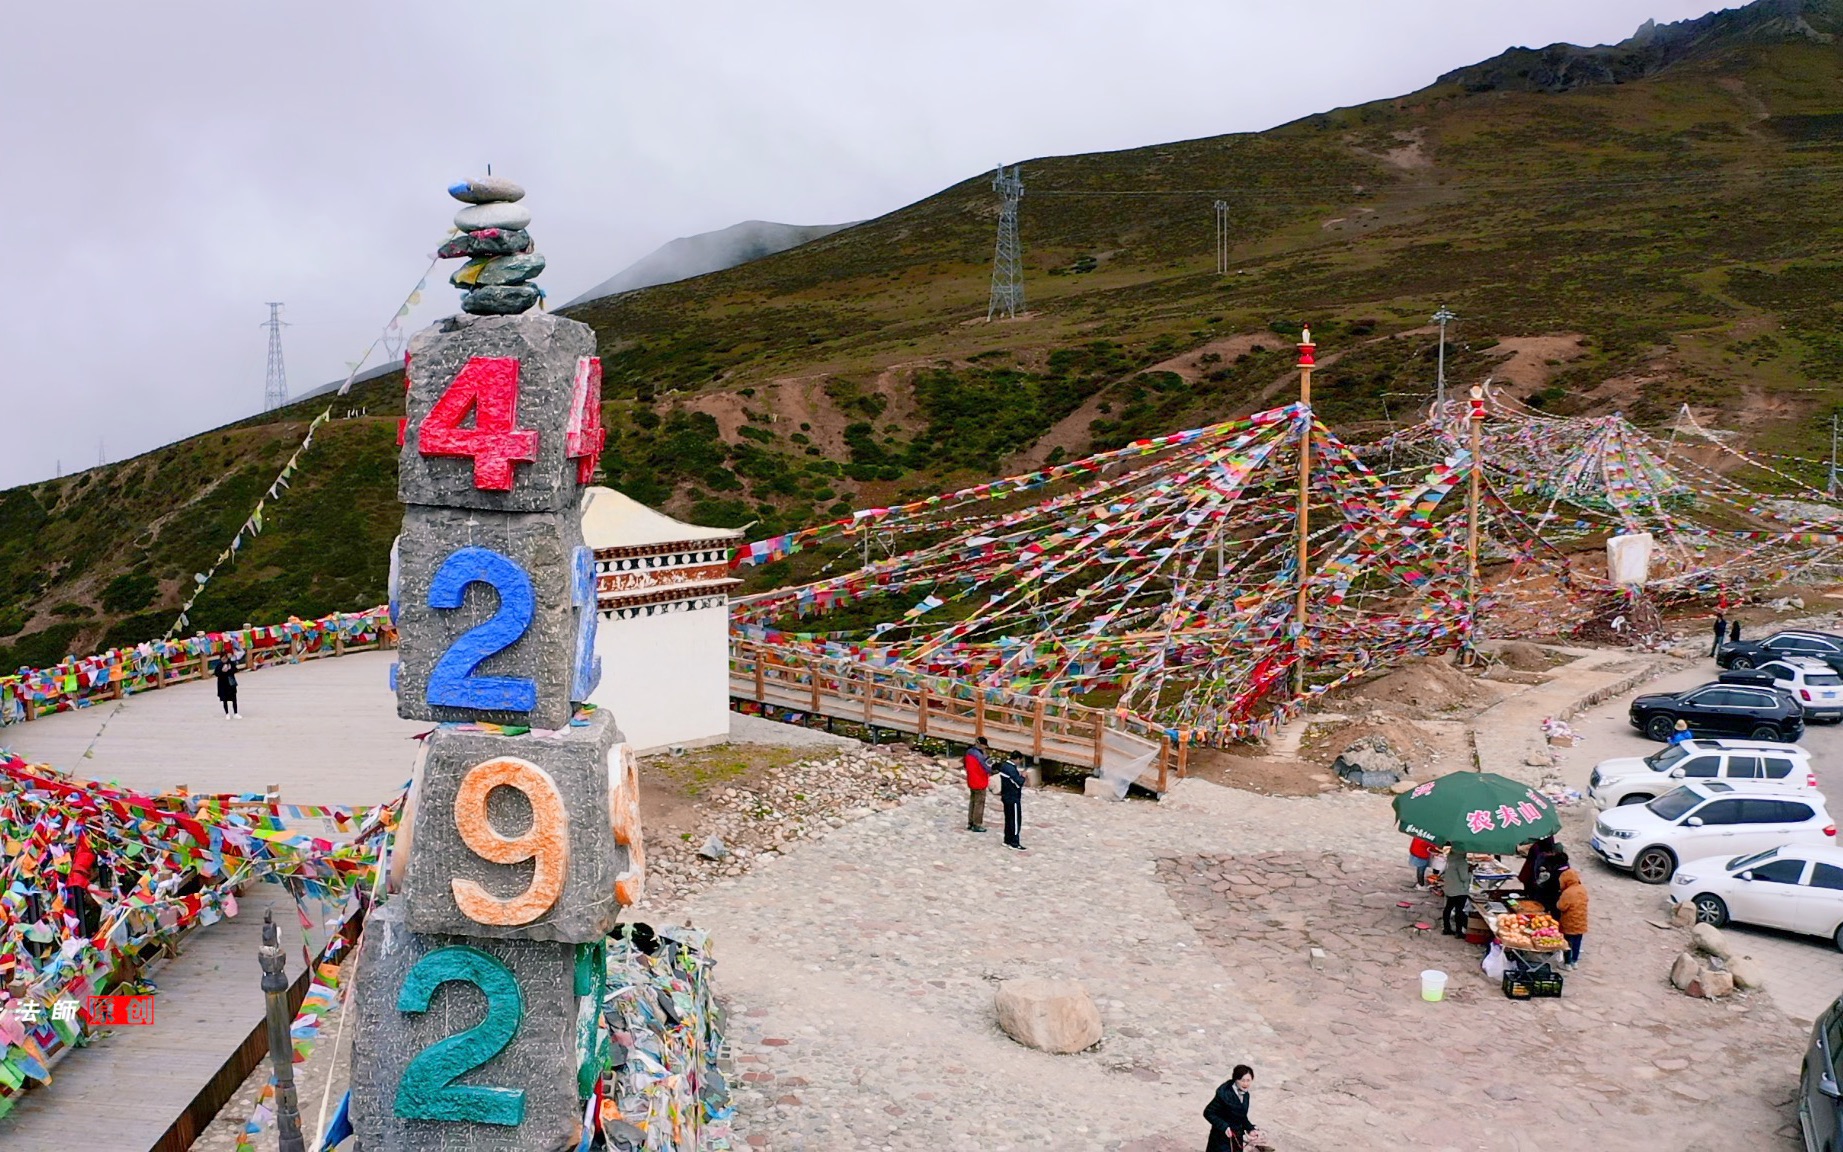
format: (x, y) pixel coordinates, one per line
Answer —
(1798, 888)
(1707, 818)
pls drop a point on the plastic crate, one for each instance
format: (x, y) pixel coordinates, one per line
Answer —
(1532, 983)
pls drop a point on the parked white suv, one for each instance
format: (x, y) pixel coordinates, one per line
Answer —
(1710, 818)
(1808, 680)
(1799, 889)
(1759, 765)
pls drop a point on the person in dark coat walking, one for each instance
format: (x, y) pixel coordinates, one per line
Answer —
(1011, 794)
(978, 777)
(226, 672)
(1721, 633)
(1227, 1113)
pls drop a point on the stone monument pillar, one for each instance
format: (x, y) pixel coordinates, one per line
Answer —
(522, 832)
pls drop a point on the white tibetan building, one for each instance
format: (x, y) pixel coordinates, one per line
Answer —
(663, 633)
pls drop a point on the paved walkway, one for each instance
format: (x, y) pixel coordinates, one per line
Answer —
(860, 971)
(327, 731)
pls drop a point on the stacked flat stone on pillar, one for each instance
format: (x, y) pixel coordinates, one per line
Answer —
(512, 1006)
(485, 790)
(487, 618)
(521, 381)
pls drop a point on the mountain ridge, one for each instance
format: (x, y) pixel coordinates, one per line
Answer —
(1629, 246)
(707, 252)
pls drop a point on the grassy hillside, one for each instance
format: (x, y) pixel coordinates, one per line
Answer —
(1634, 228)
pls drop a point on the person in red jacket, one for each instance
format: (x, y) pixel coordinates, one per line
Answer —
(1420, 855)
(978, 776)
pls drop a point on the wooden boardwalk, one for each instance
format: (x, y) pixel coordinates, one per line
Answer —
(1044, 728)
(324, 732)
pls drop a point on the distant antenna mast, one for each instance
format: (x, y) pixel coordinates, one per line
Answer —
(275, 387)
(1833, 486)
(1008, 260)
(1222, 237)
(1442, 317)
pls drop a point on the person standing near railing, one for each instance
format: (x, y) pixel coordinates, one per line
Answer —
(978, 778)
(1011, 794)
(226, 672)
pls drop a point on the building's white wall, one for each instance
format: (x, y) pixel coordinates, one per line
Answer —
(666, 676)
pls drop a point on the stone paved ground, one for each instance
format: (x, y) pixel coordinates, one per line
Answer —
(860, 971)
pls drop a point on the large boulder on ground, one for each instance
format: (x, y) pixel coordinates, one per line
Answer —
(1708, 938)
(1049, 1015)
(1684, 916)
(1683, 973)
(1370, 762)
(1747, 973)
(1711, 984)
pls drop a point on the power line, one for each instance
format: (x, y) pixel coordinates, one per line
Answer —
(275, 385)
(1008, 259)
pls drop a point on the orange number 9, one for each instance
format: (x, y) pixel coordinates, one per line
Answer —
(547, 841)
(624, 818)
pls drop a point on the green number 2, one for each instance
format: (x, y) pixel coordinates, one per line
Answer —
(427, 1091)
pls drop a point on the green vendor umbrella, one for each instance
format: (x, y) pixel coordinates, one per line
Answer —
(1477, 812)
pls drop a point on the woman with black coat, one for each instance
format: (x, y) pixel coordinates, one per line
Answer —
(1227, 1113)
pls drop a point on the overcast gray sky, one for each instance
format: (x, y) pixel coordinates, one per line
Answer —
(169, 167)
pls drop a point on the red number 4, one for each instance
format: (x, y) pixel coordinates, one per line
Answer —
(488, 389)
(586, 434)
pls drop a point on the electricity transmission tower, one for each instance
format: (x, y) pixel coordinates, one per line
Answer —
(1008, 260)
(275, 387)
(1222, 237)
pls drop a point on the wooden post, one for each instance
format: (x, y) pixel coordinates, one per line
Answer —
(1100, 739)
(116, 684)
(1301, 514)
(813, 670)
(978, 714)
(1477, 420)
(761, 675)
(1164, 760)
(922, 724)
(1036, 736)
(869, 691)
(1183, 754)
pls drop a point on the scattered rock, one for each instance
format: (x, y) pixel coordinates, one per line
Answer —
(714, 848)
(1684, 916)
(1708, 938)
(1684, 972)
(1401, 786)
(1370, 762)
(501, 299)
(486, 190)
(1711, 984)
(1747, 973)
(1049, 1015)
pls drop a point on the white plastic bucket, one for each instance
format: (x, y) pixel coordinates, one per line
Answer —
(1433, 985)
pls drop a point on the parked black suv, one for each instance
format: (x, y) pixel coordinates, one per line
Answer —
(1753, 653)
(1819, 1097)
(1721, 710)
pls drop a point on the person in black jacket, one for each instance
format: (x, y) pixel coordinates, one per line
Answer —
(1227, 1113)
(226, 672)
(1721, 633)
(1011, 793)
(1734, 632)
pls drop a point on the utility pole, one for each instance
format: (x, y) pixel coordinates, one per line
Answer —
(281, 1044)
(1222, 237)
(1008, 261)
(275, 386)
(1303, 547)
(1441, 317)
(1833, 486)
(1477, 420)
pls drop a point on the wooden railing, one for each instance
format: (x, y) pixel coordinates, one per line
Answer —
(1046, 728)
(144, 668)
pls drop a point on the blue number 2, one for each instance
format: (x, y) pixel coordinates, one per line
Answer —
(452, 682)
(588, 664)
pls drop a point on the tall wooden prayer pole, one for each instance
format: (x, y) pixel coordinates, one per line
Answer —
(1303, 549)
(1477, 420)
